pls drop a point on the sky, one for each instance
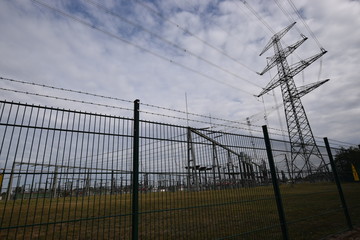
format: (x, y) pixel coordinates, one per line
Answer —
(195, 56)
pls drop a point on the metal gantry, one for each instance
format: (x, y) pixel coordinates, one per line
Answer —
(228, 168)
(306, 159)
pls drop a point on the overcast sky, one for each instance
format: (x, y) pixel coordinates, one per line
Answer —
(158, 51)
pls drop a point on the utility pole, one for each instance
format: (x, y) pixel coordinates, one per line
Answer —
(306, 158)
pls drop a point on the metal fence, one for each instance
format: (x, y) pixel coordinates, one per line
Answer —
(76, 175)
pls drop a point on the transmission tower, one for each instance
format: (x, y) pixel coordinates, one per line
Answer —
(306, 158)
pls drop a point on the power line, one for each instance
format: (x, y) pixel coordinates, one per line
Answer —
(263, 21)
(291, 20)
(258, 16)
(101, 30)
(305, 24)
(192, 34)
(92, 26)
(174, 45)
(287, 14)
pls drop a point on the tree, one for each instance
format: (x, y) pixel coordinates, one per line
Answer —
(345, 161)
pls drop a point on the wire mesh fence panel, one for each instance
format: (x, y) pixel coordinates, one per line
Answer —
(348, 168)
(352, 197)
(70, 174)
(310, 196)
(64, 174)
(202, 184)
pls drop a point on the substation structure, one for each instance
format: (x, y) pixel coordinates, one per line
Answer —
(41, 180)
(210, 165)
(214, 165)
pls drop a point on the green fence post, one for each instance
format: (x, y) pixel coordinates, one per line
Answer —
(338, 184)
(275, 183)
(135, 175)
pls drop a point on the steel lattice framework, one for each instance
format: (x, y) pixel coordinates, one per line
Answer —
(306, 158)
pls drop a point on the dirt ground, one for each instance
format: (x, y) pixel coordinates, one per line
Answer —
(350, 235)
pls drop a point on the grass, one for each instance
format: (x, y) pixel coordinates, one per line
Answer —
(312, 211)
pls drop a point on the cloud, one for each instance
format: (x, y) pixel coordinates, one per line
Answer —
(217, 71)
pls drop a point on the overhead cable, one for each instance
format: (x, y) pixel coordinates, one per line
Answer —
(287, 14)
(263, 21)
(305, 24)
(258, 16)
(92, 26)
(174, 45)
(192, 34)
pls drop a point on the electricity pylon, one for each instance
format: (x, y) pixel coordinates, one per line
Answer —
(306, 158)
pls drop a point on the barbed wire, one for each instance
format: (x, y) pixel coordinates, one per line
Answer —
(65, 99)
(107, 97)
(146, 112)
(278, 132)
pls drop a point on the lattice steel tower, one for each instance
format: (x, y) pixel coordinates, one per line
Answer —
(306, 159)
